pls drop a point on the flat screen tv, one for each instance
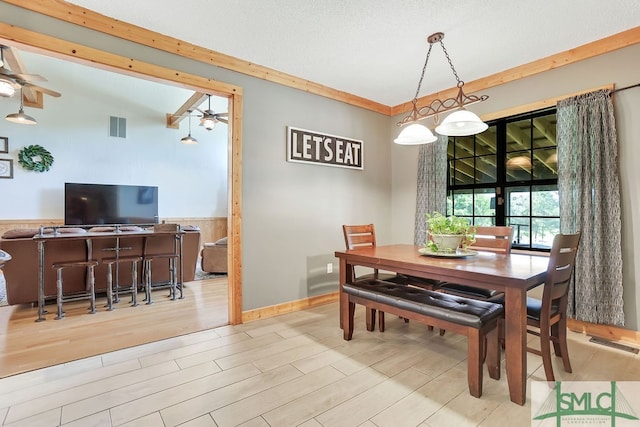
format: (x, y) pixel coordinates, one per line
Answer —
(96, 204)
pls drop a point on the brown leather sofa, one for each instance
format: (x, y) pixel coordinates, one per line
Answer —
(21, 274)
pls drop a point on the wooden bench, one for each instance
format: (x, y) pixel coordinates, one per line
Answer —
(477, 320)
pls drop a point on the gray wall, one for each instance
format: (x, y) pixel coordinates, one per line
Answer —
(619, 67)
(292, 213)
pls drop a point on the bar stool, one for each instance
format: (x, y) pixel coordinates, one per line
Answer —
(90, 294)
(117, 289)
(173, 274)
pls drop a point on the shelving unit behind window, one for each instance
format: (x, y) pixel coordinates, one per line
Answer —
(508, 175)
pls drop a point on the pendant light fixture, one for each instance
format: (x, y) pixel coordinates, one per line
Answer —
(20, 116)
(460, 123)
(189, 139)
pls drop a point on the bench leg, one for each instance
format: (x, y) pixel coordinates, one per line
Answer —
(371, 318)
(381, 321)
(475, 353)
(493, 353)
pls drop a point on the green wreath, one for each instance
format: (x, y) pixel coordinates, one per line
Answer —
(28, 155)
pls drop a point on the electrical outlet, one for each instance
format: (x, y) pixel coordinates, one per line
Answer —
(329, 268)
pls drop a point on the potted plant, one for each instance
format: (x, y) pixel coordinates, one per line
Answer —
(448, 233)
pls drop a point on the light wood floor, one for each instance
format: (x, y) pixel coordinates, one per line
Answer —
(26, 345)
(290, 370)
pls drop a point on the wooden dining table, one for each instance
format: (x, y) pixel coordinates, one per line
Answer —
(513, 274)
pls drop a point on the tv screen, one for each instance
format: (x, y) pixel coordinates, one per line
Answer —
(96, 204)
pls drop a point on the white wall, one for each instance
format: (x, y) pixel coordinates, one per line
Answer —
(619, 67)
(191, 179)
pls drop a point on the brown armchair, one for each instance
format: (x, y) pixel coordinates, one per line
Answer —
(214, 256)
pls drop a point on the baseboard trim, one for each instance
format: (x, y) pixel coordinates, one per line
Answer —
(607, 332)
(288, 307)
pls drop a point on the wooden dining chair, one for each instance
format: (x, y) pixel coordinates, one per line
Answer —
(358, 236)
(364, 235)
(496, 239)
(549, 315)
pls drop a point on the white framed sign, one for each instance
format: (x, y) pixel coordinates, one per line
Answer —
(307, 146)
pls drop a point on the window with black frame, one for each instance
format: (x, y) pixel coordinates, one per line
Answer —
(508, 175)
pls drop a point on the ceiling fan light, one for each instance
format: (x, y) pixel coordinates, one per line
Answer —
(6, 89)
(208, 122)
(21, 118)
(461, 123)
(415, 134)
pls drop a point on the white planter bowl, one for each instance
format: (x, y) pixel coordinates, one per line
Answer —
(447, 242)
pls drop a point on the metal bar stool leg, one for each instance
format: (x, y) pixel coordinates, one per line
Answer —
(109, 287)
(92, 289)
(147, 279)
(59, 293)
(174, 277)
(134, 284)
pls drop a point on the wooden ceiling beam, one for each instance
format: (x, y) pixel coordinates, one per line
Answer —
(173, 120)
(29, 96)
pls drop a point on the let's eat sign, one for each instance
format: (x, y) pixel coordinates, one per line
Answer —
(307, 146)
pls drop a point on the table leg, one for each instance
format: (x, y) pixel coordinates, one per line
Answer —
(345, 271)
(515, 326)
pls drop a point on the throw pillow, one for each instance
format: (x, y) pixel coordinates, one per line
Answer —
(101, 229)
(71, 230)
(221, 242)
(18, 233)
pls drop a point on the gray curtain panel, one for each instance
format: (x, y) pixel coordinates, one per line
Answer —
(432, 185)
(589, 191)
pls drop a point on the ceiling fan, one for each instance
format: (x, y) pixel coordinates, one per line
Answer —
(209, 118)
(10, 81)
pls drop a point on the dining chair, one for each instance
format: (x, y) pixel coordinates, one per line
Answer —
(496, 239)
(548, 315)
(364, 235)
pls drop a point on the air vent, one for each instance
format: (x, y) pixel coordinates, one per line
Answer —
(616, 345)
(118, 127)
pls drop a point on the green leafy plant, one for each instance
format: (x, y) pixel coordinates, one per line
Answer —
(439, 224)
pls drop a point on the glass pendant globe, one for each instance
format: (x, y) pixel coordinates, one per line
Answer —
(415, 134)
(461, 123)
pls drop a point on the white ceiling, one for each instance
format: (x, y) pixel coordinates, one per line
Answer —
(376, 48)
